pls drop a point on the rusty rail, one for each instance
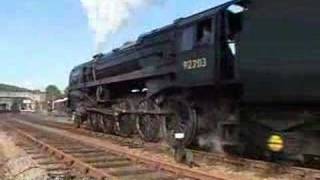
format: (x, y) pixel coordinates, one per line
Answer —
(171, 169)
(258, 164)
(238, 161)
(68, 159)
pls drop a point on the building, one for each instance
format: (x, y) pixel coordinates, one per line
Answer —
(22, 100)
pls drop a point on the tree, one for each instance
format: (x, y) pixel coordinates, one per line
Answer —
(52, 93)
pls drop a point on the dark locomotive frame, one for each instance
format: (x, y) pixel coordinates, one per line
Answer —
(189, 78)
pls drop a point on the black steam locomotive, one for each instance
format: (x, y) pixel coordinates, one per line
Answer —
(242, 77)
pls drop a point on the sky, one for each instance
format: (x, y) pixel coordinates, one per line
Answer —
(41, 41)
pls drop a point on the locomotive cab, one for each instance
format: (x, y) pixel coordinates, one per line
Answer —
(196, 52)
(206, 46)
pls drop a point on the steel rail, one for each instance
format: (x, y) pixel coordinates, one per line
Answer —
(156, 163)
(239, 161)
(258, 164)
(242, 162)
(68, 159)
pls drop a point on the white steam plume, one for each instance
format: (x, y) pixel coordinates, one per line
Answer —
(108, 16)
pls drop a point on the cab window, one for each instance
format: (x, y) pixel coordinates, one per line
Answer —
(196, 35)
(187, 42)
(74, 78)
(205, 32)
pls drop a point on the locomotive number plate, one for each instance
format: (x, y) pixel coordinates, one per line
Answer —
(195, 63)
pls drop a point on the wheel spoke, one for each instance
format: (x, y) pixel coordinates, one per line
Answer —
(183, 121)
(148, 126)
(125, 125)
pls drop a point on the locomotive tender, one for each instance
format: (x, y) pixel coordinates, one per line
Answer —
(240, 77)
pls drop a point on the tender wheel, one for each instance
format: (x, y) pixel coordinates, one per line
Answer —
(93, 122)
(76, 120)
(125, 124)
(148, 126)
(183, 120)
(108, 125)
(100, 122)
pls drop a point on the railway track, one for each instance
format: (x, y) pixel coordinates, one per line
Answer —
(132, 142)
(258, 165)
(103, 163)
(54, 167)
(201, 156)
(91, 161)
